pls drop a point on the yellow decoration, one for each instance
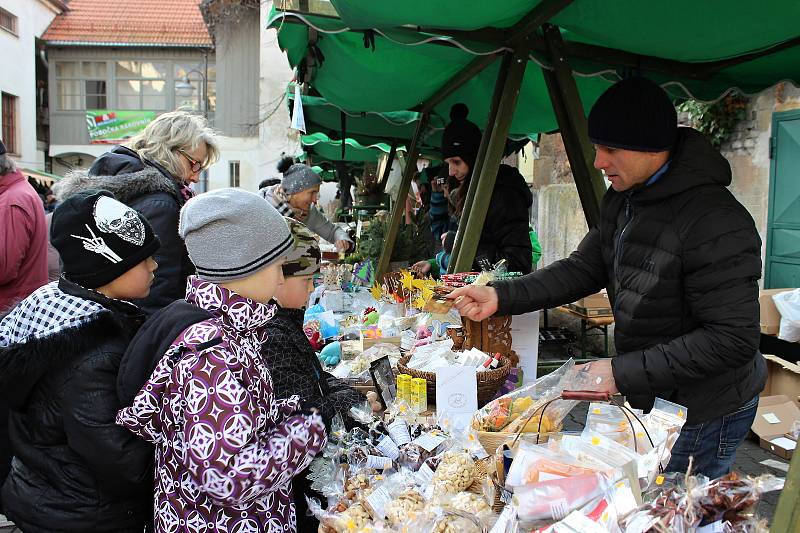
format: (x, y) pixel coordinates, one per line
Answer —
(406, 279)
(595, 441)
(660, 480)
(376, 293)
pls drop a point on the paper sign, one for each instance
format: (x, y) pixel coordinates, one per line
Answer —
(785, 443)
(771, 418)
(456, 394)
(429, 441)
(377, 502)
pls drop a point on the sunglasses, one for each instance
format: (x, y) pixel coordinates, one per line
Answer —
(196, 165)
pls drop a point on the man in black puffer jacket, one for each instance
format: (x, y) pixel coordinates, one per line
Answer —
(681, 259)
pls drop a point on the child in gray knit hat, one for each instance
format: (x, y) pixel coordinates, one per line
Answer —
(211, 393)
(296, 197)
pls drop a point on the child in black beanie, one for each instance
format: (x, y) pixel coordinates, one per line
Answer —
(73, 468)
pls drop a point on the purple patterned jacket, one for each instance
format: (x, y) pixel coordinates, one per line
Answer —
(226, 449)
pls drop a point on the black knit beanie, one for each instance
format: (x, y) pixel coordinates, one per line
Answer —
(99, 238)
(461, 137)
(634, 114)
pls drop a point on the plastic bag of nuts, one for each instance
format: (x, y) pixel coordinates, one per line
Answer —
(455, 472)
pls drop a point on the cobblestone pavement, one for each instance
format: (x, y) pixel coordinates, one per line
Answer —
(748, 460)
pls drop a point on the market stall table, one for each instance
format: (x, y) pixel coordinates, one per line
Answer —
(588, 324)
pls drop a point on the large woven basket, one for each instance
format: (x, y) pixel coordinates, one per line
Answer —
(489, 381)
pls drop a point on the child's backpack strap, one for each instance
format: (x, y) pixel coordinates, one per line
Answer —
(151, 342)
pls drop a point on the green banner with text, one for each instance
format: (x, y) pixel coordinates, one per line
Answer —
(113, 126)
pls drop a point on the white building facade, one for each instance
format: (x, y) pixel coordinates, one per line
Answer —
(22, 22)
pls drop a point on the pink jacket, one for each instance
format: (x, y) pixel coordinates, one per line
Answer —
(23, 240)
(226, 448)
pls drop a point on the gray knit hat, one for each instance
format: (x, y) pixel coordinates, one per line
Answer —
(232, 233)
(298, 178)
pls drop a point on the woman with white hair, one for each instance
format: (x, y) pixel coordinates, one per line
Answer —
(153, 174)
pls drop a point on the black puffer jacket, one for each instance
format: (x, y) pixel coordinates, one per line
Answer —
(154, 192)
(295, 368)
(73, 469)
(505, 233)
(681, 260)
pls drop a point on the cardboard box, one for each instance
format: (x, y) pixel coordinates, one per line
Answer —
(774, 419)
(783, 378)
(770, 317)
(594, 305)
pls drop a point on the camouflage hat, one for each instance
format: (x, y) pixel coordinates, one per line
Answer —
(304, 258)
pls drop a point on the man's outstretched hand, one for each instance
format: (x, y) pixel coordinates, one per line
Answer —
(475, 302)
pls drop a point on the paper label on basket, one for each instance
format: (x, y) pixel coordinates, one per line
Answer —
(428, 492)
(377, 501)
(378, 463)
(388, 448)
(457, 394)
(398, 430)
(430, 440)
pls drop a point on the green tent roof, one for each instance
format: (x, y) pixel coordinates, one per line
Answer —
(698, 42)
(366, 127)
(326, 149)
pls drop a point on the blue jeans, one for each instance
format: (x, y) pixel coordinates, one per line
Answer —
(713, 443)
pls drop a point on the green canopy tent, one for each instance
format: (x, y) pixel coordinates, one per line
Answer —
(323, 148)
(426, 56)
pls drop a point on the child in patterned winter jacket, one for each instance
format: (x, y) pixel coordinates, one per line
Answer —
(226, 448)
(61, 352)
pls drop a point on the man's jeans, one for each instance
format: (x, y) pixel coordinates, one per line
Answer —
(713, 443)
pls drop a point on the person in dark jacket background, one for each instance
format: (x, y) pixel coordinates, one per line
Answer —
(153, 175)
(681, 259)
(74, 468)
(505, 232)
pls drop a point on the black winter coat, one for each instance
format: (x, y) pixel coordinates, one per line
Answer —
(681, 259)
(295, 368)
(154, 192)
(74, 469)
(505, 233)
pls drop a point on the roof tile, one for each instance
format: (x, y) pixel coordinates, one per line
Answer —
(131, 22)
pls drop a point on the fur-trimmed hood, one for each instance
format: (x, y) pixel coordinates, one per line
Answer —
(124, 174)
(124, 187)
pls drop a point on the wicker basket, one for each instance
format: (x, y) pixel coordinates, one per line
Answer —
(489, 381)
(492, 440)
(492, 335)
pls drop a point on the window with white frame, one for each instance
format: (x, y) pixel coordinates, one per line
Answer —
(233, 171)
(8, 21)
(81, 85)
(141, 85)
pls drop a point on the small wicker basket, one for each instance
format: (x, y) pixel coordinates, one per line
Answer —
(489, 381)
